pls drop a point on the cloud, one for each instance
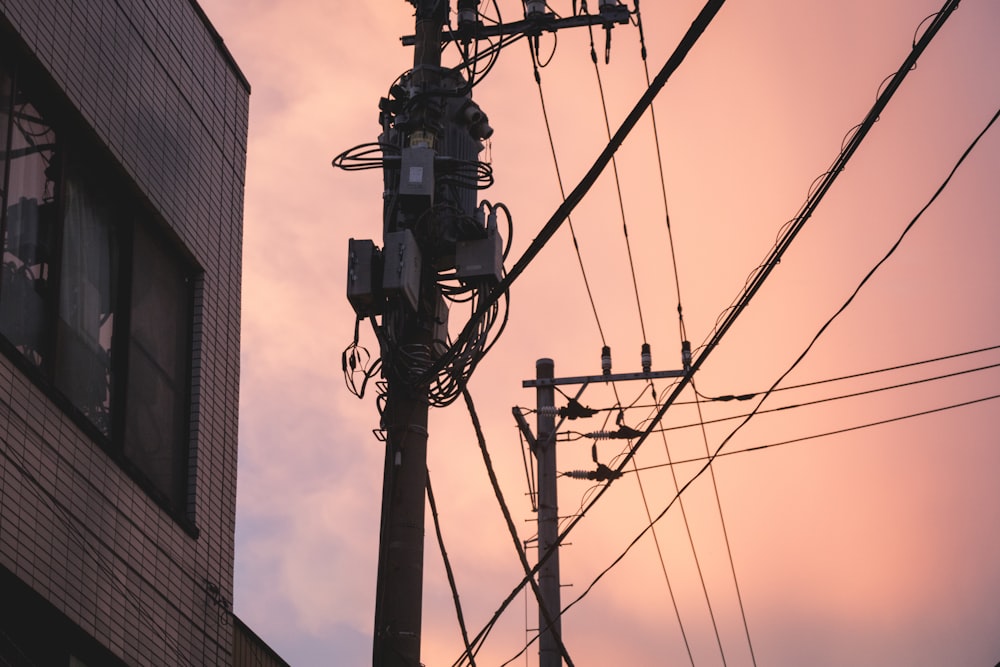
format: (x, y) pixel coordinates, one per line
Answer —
(867, 548)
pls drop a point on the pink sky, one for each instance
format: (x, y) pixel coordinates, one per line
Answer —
(874, 547)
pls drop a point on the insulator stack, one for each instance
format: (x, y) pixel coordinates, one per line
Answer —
(606, 360)
(647, 358)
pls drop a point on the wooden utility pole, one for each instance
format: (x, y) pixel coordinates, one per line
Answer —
(399, 590)
(433, 230)
(549, 652)
(550, 648)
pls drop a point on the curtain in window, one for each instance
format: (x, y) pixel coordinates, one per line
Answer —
(86, 302)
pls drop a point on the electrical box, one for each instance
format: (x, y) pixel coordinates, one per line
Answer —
(480, 258)
(416, 175)
(364, 277)
(401, 274)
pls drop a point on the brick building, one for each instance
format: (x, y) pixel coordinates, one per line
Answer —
(123, 129)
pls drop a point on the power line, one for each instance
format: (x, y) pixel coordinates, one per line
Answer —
(818, 401)
(663, 180)
(448, 571)
(708, 461)
(618, 186)
(562, 193)
(748, 395)
(799, 221)
(701, 22)
(756, 282)
(725, 533)
(529, 572)
(635, 284)
(826, 181)
(684, 47)
(826, 434)
(694, 551)
(711, 458)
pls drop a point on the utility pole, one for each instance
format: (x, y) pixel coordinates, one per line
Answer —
(549, 654)
(544, 449)
(439, 246)
(399, 588)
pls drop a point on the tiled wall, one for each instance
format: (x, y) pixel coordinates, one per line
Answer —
(152, 80)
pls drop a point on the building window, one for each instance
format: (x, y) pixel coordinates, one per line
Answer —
(156, 404)
(93, 298)
(28, 204)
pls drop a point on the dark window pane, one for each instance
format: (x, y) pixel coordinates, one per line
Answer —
(86, 301)
(6, 82)
(156, 403)
(28, 229)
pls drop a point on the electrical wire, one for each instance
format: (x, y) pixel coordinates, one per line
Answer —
(824, 182)
(798, 360)
(448, 570)
(683, 337)
(663, 179)
(826, 434)
(574, 435)
(708, 461)
(475, 76)
(537, 65)
(850, 395)
(749, 395)
(356, 361)
(757, 281)
(562, 194)
(547, 614)
(701, 22)
(687, 42)
(682, 332)
(529, 473)
(618, 185)
(694, 553)
(725, 533)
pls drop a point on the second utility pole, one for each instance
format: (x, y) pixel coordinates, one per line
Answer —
(549, 654)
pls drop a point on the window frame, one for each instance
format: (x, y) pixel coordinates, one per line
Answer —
(132, 211)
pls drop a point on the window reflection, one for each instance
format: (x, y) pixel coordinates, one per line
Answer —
(32, 169)
(6, 99)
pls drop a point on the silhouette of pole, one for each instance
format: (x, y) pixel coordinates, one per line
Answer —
(549, 653)
(399, 588)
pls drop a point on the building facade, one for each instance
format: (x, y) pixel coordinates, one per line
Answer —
(123, 129)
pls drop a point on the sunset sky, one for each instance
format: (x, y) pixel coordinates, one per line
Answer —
(875, 546)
